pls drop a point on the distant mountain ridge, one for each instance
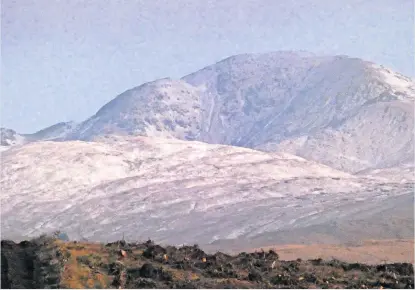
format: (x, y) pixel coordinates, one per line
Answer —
(55, 132)
(341, 111)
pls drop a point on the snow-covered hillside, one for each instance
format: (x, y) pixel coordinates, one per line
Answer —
(171, 190)
(163, 108)
(342, 111)
(58, 131)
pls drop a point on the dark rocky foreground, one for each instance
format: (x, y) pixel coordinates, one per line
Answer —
(31, 264)
(51, 263)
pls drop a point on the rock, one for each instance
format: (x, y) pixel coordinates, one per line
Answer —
(148, 271)
(254, 275)
(151, 272)
(31, 264)
(144, 284)
(119, 271)
(272, 255)
(123, 253)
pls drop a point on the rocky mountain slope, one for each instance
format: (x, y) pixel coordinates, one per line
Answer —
(180, 191)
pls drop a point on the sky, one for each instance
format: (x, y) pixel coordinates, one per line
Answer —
(63, 60)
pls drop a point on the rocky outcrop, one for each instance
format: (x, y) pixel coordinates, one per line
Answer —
(38, 264)
(30, 264)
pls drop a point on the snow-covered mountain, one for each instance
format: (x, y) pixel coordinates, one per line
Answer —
(163, 108)
(56, 132)
(181, 191)
(342, 111)
(240, 144)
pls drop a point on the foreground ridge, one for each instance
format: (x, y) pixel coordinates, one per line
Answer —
(47, 262)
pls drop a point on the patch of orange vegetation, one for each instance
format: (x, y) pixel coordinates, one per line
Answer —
(183, 275)
(102, 279)
(77, 275)
(177, 274)
(237, 282)
(194, 276)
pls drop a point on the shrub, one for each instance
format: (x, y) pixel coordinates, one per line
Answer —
(254, 275)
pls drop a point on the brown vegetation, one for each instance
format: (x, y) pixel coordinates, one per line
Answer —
(368, 252)
(144, 265)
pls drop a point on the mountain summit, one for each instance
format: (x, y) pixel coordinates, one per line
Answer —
(342, 111)
(345, 112)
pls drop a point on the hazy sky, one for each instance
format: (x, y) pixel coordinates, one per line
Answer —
(63, 60)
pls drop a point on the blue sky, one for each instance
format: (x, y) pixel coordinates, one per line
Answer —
(63, 60)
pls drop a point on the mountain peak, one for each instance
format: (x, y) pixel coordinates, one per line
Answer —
(57, 131)
(284, 100)
(400, 86)
(164, 108)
